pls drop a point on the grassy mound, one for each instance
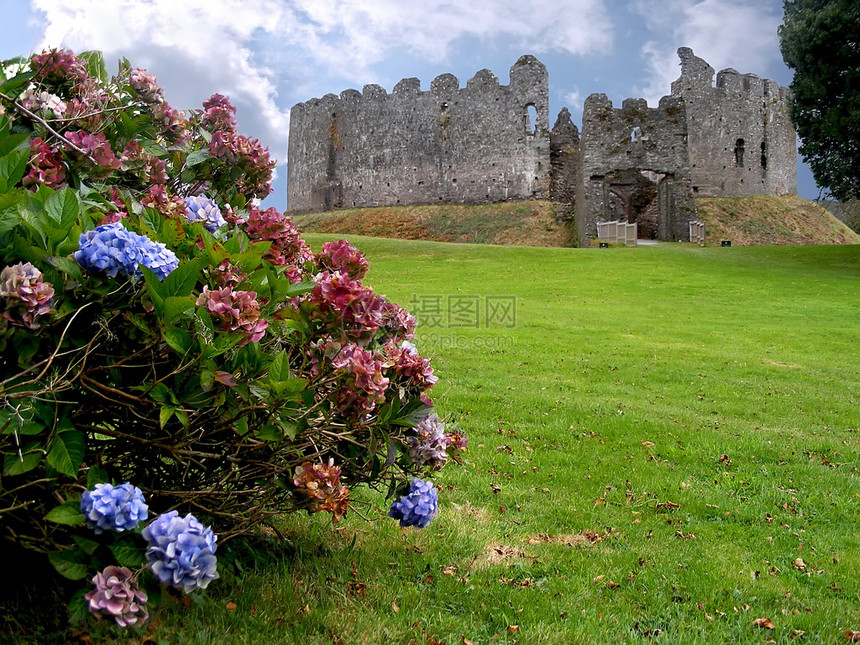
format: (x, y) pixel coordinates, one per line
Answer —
(771, 221)
(746, 221)
(529, 223)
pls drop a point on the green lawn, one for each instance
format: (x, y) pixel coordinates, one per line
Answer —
(664, 447)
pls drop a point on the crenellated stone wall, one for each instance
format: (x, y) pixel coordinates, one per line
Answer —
(481, 143)
(488, 142)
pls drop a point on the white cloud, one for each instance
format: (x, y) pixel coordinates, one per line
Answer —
(573, 100)
(726, 33)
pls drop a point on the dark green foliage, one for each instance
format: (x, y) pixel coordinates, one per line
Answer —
(820, 41)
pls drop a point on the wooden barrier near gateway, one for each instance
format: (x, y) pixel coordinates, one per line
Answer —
(697, 233)
(617, 232)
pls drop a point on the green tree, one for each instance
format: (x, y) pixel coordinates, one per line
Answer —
(820, 41)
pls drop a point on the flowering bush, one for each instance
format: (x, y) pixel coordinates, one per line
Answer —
(157, 326)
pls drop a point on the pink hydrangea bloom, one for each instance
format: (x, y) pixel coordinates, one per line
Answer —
(408, 366)
(321, 483)
(58, 64)
(96, 146)
(342, 256)
(46, 165)
(219, 114)
(345, 306)
(234, 311)
(363, 385)
(248, 156)
(116, 595)
(146, 86)
(270, 225)
(397, 322)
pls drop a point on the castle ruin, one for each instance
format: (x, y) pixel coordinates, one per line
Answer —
(489, 142)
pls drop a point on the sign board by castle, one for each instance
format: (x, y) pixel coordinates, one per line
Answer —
(488, 142)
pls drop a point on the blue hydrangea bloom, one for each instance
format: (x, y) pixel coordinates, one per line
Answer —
(114, 508)
(158, 258)
(181, 551)
(203, 209)
(113, 249)
(418, 506)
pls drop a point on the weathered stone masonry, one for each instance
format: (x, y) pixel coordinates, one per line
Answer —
(489, 142)
(483, 143)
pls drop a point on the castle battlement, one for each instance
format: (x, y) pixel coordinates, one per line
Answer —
(714, 134)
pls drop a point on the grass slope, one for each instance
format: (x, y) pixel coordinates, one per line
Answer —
(664, 447)
(530, 223)
(654, 444)
(769, 221)
(746, 221)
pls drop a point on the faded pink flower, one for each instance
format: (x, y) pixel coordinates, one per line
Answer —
(342, 256)
(234, 311)
(321, 483)
(346, 307)
(46, 165)
(362, 385)
(116, 595)
(26, 295)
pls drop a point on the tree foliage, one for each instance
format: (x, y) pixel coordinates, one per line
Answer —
(820, 41)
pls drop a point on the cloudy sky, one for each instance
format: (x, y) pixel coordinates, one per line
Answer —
(268, 55)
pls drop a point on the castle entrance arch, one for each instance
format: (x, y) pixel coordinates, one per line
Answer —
(644, 197)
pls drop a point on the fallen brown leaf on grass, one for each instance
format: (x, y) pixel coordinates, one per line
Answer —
(799, 564)
(852, 636)
(394, 607)
(513, 629)
(231, 606)
(764, 623)
(648, 444)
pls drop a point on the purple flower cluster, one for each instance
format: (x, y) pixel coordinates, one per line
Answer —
(363, 385)
(26, 295)
(321, 483)
(114, 508)
(345, 306)
(203, 209)
(234, 311)
(429, 445)
(113, 249)
(342, 256)
(181, 551)
(418, 507)
(116, 595)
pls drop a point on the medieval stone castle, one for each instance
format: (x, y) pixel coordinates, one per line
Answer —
(489, 142)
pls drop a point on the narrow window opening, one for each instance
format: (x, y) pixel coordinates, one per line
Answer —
(530, 118)
(636, 134)
(739, 153)
(763, 155)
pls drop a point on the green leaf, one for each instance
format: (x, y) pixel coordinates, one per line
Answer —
(412, 414)
(152, 220)
(269, 433)
(279, 369)
(12, 142)
(151, 147)
(178, 339)
(67, 266)
(79, 607)
(226, 341)
(128, 555)
(12, 167)
(175, 306)
(161, 393)
(16, 82)
(86, 545)
(182, 280)
(165, 413)
(96, 475)
(153, 286)
(67, 452)
(69, 564)
(68, 513)
(14, 466)
(197, 157)
(62, 209)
